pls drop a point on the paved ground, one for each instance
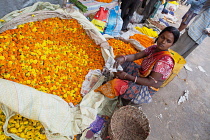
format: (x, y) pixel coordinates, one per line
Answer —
(191, 119)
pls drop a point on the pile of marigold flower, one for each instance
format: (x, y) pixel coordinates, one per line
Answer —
(105, 1)
(122, 48)
(22, 127)
(143, 40)
(52, 55)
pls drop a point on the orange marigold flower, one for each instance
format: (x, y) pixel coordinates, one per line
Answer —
(143, 40)
(122, 48)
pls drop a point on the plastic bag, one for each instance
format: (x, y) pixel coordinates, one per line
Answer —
(136, 18)
(90, 80)
(111, 22)
(119, 23)
(100, 25)
(99, 20)
(115, 22)
(101, 14)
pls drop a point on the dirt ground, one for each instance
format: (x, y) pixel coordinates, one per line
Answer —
(191, 119)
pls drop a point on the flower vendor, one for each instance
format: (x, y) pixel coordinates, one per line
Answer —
(137, 83)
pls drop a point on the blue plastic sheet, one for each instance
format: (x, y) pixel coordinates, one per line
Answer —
(115, 22)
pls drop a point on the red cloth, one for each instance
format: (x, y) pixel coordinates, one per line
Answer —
(101, 14)
(113, 88)
(120, 86)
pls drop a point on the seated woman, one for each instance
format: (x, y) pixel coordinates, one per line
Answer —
(137, 83)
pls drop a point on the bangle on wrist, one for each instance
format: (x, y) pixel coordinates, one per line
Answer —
(125, 75)
(125, 58)
(153, 79)
(135, 79)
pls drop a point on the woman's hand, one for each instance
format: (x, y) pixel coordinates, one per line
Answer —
(121, 75)
(118, 61)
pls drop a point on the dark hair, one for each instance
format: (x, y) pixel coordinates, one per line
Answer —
(172, 30)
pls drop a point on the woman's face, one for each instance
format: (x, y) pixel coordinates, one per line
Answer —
(165, 40)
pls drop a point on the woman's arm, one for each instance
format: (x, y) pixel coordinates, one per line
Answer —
(132, 57)
(154, 79)
(136, 56)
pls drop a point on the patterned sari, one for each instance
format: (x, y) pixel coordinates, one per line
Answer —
(128, 89)
(139, 93)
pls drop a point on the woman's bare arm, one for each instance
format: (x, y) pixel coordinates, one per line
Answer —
(154, 79)
(132, 57)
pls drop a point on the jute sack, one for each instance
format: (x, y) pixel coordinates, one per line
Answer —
(54, 113)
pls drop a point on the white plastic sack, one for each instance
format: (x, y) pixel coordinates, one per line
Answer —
(115, 22)
(90, 80)
(136, 18)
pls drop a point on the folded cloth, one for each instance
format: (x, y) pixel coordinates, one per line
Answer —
(97, 125)
(113, 88)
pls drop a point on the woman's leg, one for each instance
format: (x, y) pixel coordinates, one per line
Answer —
(136, 93)
(131, 68)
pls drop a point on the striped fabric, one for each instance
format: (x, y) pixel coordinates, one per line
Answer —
(196, 6)
(93, 6)
(201, 22)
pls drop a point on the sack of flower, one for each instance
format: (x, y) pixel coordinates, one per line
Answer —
(121, 47)
(48, 52)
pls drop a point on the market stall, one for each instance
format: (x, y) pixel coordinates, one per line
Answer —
(51, 61)
(43, 66)
(28, 61)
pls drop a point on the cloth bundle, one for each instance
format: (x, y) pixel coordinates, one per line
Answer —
(113, 88)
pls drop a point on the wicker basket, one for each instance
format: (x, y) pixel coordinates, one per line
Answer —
(129, 123)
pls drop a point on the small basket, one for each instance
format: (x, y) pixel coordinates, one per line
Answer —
(129, 123)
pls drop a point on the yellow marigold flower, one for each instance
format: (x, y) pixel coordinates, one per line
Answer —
(42, 137)
(43, 57)
(7, 75)
(17, 125)
(34, 29)
(13, 130)
(20, 26)
(27, 74)
(33, 15)
(22, 135)
(12, 57)
(65, 95)
(1, 20)
(10, 63)
(2, 57)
